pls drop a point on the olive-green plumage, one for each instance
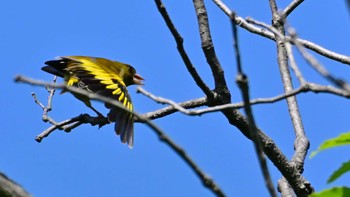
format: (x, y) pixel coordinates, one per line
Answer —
(105, 77)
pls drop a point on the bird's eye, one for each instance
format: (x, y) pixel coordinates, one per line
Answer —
(132, 70)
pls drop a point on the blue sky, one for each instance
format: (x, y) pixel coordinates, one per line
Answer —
(92, 162)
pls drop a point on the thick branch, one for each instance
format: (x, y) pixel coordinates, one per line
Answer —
(9, 188)
(301, 143)
(209, 51)
(234, 117)
(272, 151)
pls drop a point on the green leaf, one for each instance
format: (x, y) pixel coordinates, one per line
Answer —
(343, 139)
(333, 192)
(336, 174)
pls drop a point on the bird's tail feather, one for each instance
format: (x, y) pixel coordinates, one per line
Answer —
(124, 125)
(57, 66)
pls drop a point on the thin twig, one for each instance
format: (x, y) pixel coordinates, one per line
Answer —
(318, 66)
(46, 109)
(52, 93)
(58, 126)
(183, 107)
(172, 109)
(206, 180)
(293, 64)
(345, 59)
(242, 82)
(163, 100)
(307, 56)
(269, 27)
(289, 9)
(36, 100)
(179, 41)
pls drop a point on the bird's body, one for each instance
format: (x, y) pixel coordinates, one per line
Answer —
(104, 77)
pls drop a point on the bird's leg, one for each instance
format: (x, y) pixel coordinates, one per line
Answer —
(97, 112)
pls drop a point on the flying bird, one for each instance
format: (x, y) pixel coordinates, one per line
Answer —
(104, 77)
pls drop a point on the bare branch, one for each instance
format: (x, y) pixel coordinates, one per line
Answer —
(9, 188)
(284, 188)
(288, 47)
(68, 125)
(37, 101)
(307, 87)
(206, 180)
(242, 82)
(179, 41)
(301, 143)
(272, 151)
(224, 8)
(273, 7)
(52, 93)
(293, 64)
(262, 32)
(171, 109)
(317, 66)
(161, 100)
(235, 118)
(209, 50)
(289, 9)
(269, 27)
(323, 51)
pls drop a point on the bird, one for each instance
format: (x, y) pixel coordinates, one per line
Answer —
(104, 77)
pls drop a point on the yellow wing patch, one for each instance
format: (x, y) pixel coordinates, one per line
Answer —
(102, 69)
(105, 71)
(121, 97)
(72, 80)
(117, 91)
(113, 86)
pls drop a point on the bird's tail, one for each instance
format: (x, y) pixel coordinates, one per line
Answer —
(124, 125)
(58, 66)
(55, 67)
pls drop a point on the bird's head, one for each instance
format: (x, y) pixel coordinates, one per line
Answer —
(135, 78)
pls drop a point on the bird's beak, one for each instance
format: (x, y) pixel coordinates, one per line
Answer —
(137, 79)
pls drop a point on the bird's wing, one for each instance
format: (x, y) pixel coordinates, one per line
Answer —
(98, 76)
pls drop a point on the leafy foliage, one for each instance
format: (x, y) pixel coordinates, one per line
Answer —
(336, 174)
(341, 140)
(333, 192)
